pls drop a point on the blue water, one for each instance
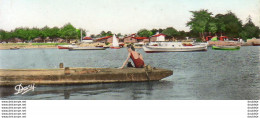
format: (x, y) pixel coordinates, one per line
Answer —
(209, 75)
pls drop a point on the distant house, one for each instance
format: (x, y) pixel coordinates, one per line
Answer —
(15, 40)
(158, 37)
(60, 40)
(107, 39)
(134, 39)
(37, 40)
(129, 39)
(141, 39)
(87, 40)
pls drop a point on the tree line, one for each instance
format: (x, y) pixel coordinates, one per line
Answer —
(66, 32)
(201, 24)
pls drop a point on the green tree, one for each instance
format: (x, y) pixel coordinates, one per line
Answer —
(170, 32)
(103, 33)
(45, 32)
(21, 33)
(93, 36)
(249, 30)
(54, 33)
(233, 25)
(3, 35)
(182, 35)
(119, 35)
(144, 33)
(35, 32)
(68, 32)
(160, 30)
(154, 31)
(109, 33)
(221, 27)
(213, 27)
(199, 21)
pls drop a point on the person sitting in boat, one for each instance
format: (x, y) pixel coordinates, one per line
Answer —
(136, 57)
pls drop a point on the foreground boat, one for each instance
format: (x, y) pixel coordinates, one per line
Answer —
(225, 47)
(87, 48)
(11, 77)
(172, 47)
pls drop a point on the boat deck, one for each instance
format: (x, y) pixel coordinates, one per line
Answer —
(79, 75)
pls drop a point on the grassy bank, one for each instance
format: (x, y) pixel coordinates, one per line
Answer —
(24, 44)
(30, 45)
(50, 44)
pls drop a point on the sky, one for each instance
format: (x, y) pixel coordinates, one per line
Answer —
(118, 16)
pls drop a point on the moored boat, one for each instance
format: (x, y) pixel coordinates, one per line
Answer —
(66, 46)
(87, 48)
(226, 47)
(172, 47)
(256, 44)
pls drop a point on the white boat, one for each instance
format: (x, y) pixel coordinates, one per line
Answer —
(115, 44)
(172, 47)
(87, 48)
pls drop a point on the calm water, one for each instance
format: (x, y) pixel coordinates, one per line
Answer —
(217, 75)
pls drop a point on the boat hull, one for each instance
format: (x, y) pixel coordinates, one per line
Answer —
(115, 47)
(60, 47)
(12, 77)
(155, 49)
(225, 47)
(87, 48)
(66, 46)
(256, 44)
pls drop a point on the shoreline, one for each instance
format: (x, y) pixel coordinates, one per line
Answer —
(51, 46)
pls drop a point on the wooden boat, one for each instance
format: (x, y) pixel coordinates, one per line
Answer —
(115, 44)
(66, 46)
(12, 77)
(121, 44)
(99, 46)
(87, 48)
(256, 44)
(225, 47)
(172, 47)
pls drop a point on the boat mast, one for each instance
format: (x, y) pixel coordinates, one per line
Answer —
(80, 35)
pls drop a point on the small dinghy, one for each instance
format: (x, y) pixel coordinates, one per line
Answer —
(225, 47)
(87, 48)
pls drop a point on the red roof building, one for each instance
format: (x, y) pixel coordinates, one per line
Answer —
(87, 38)
(133, 39)
(108, 39)
(158, 37)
